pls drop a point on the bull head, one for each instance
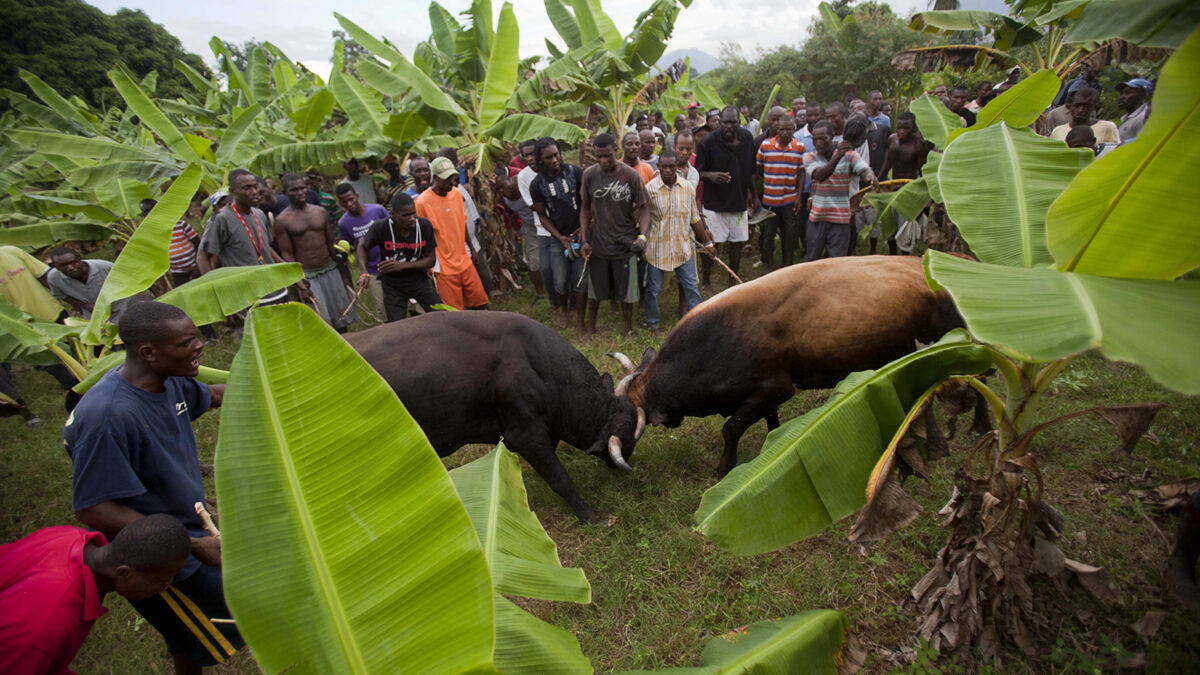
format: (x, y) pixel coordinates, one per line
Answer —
(622, 390)
(614, 453)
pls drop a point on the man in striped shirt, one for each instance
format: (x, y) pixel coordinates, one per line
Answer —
(182, 250)
(781, 163)
(674, 219)
(829, 219)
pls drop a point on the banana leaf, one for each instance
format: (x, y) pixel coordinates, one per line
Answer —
(501, 76)
(123, 197)
(520, 126)
(234, 133)
(363, 106)
(812, 471)
(310, 115)
(52, 232)
(229, 290)
(29, 330)
(102, 173)
(1132, 212)
(809, 642)
(289, 156)
(930, 173)
(1008, 31)
(442, 28)
(193, 76)
(144, 258)
(258, 75)
(908, 201)
(564, 23)
(934, 119)
(651, 33)
(345, 547)
(1044, 315)
(151, 117)
(61, 106)
(997, 184)
(237, 79)
(69, 145)
(523, 561)
(399, 80)
(1020, 106)
(1146, 23)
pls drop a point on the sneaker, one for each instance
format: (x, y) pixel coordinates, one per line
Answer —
(34, 422)
(760, 215)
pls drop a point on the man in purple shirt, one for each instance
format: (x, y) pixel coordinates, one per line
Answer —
(354, 225)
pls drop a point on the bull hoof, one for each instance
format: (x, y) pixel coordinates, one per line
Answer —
(601, 519)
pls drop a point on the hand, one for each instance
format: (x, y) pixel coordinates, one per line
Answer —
(752, 202)
(844, 147)
(586, 251)
(388, 266)
(874, 181)
(306, 293)
(798, 206)
(207, 550)
(565, 241)
(722, 177)
(708, 249)
(363, 282)
(639, 245)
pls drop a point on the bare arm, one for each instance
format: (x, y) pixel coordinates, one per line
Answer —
(824, 172)
(216, 393)
(206, 261)
(286, 251)
(585, 218)
(110, 518)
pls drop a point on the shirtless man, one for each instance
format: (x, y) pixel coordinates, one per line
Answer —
(304, 236)
(906, 154)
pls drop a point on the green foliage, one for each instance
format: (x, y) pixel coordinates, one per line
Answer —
(70, 45)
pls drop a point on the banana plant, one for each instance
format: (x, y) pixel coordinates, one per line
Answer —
(1068, 265)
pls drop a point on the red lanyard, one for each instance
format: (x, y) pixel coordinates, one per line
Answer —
(257, 229)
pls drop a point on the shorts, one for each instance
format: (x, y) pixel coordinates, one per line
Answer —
(396, 296)
(610, 278)
(529, 244)
(329, 294)
(461, 290)
(181, 614)
(725, 226)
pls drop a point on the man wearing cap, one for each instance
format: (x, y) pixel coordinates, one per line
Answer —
(442, 205)
(1134, 96)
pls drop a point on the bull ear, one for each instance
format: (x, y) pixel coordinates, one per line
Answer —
(647, 357)
(607, 381)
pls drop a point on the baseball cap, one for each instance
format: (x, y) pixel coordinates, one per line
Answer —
(442, 167)
(1139, 82)
(216, 197)
(692, 105)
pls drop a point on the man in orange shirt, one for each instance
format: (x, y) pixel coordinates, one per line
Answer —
(631, 150)
(458, 283)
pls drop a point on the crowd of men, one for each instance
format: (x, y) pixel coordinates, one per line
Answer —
(637, 207)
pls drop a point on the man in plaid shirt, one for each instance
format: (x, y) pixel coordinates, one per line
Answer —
(674, 217)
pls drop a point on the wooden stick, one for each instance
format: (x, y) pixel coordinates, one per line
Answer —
(212, 620)
(583, 272)
(353, 301)
(206, 518)
(717, 257)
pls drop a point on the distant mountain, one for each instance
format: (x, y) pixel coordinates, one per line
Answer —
(701, 61)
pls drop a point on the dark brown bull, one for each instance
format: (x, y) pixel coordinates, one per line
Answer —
(477, 377)
(745, 351)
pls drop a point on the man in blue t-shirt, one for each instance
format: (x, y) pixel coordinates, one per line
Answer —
(133, 454)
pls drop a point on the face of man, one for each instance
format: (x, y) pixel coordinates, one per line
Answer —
(641, 123)
(729, 124)
(137, 584)
(904, 129)
(875, 101)
(813, 113)
(713, 119)
(393, 170)
(631, 147)
(405, 216)
(244, 191)
(798, 104)
(443, 186)
(982, 90)
(1081, 108)
(351, 167)
(646, 142)
(858, 105)
(527, 154)
(266, 196)
(886, 109)
(801, 117)
(745, 111)
(71, 265)
(295, 191)
(349, 201)
(606, 158)
(178, 353)
(418, 168)
(680, 122)
(958, 98)
(1084, 141)
(551, 160)
(701, 133)
(836, 117)
(666, 169)
(683, 149)
(939, 90)
(784, 128)
(1131, 98)
(313, 182)
(823, 141)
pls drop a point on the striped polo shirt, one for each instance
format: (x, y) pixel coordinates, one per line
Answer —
(181, 252)
(831, 197)
(780, 167)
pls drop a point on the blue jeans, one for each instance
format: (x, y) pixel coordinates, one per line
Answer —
(685, 273)
(567, 274)
(546, 245)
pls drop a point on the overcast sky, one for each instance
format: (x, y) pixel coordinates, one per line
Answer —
(302, 28)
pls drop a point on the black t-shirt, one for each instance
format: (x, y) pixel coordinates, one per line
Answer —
(561, 197)
(393, 245)
(714, 154)
(877, 142)
(968, 116)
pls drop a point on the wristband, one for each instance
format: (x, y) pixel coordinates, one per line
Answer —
(708, 244)
(364, 274)
(642, 237)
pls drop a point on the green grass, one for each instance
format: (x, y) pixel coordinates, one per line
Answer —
(660, 590)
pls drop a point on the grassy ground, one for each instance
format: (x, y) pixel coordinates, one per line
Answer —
(660, 590)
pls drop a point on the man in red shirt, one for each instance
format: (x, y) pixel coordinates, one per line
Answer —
(442, 204)
(53, 581)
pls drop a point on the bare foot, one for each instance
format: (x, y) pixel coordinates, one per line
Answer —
(564, 321)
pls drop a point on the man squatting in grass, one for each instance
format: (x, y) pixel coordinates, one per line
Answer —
(555, 194)
(303, 233)
(726, 164)
(53, 583)
(613, 221)
(133, 454)
(442, 204)
(674, 217)
(405, 246)
(829, 220)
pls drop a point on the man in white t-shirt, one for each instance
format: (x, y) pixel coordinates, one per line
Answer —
(536, 240)
(363, 184)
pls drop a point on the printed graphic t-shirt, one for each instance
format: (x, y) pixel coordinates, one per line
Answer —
(615, 199)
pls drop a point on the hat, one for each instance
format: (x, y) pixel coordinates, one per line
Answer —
(390, 159)
(216, 197)
(1139, 82)
(693, 105)
(442, 167)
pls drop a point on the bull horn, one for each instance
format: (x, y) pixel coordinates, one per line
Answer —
(626, 364)
(641, 424)
(623, 385)
(614, 452)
